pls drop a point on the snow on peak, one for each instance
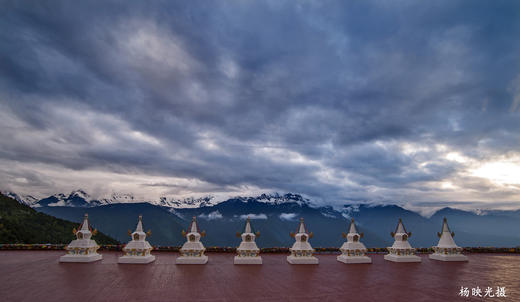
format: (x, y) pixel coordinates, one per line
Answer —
(23, 199)
(210, 201)
(285, 198)
(80, 193)
(120, 198)
(190, 202)
(60, 196)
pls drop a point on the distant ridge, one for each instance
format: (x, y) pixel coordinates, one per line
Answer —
(276, 220)
(275, 214)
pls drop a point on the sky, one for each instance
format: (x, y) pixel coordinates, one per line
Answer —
(394, 102)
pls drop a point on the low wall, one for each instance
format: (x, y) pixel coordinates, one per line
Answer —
(320, 250)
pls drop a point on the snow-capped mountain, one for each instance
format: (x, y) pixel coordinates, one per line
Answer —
(80, 198)
(209, 201)
(23, 199)
(279, 199)
(186, 203)
(77, 198)
(120, 198)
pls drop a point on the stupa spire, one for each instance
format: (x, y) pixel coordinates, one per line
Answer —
(248, 226)
(352, 229)
(445, 227)
(400, 227)
(139, 227)
(446, 236)
(194, 228)
(301, 227)
(85, 225)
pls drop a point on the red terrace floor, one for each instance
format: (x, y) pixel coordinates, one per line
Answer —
(38, 276)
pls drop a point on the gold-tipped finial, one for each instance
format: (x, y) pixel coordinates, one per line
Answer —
(129, 233)
(183, 233)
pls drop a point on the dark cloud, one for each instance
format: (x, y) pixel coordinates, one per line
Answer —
(338, 100)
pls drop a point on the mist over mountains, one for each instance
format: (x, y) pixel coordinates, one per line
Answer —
(275, 216)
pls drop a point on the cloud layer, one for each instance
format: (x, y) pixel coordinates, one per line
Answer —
(362, 101)
(253, 216)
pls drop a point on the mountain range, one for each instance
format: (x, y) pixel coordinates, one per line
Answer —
(275, 216)
(80, 198)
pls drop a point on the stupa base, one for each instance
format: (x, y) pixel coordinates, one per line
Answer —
(354, 259)
(407, 258)
(248, 260)
(136, 259)
(302, 260)
(442, 257)
(192, 260)
(81, 258)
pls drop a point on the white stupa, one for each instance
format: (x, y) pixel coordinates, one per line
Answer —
(353, 251)
(192, 252)
(401, 250)
(301, 251)
(138, 249)
(82, 249)
(248, 252)
(446, 249)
